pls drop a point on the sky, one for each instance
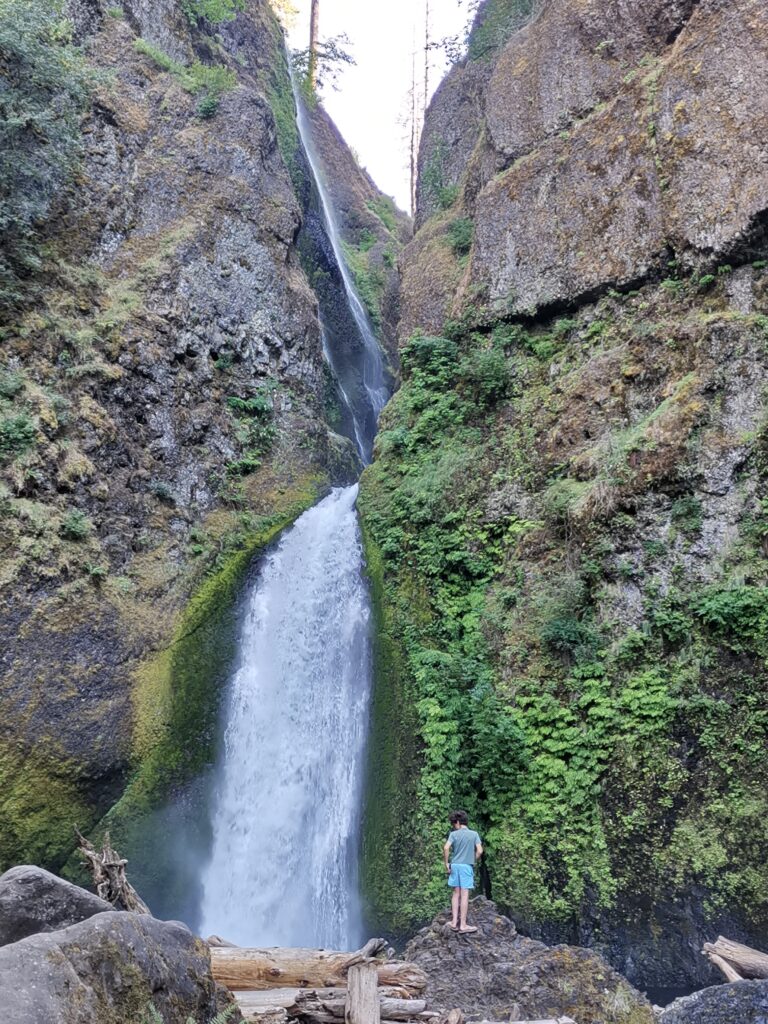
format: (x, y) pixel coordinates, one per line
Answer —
(372, 102)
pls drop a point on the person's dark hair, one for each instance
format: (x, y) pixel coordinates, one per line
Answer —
(458, 816)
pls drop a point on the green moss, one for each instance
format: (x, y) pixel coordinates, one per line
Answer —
(40, 802)
(495, 25)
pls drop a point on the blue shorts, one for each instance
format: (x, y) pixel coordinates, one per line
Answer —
(461, 877)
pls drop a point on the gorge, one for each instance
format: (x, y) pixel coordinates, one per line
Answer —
(562, 625)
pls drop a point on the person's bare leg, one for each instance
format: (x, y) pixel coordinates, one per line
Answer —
(455, 897)
(464, 927)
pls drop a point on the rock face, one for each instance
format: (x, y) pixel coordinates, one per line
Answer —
(33, 900)
(745, 1002)
(170, 382)
(109, 968)
(500, 975)
(566, 519)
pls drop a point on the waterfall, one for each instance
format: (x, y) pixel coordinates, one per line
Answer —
(283, 869)
(373, 393)
(286, 822)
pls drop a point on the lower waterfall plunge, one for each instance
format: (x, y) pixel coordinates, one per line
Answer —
(286, 820)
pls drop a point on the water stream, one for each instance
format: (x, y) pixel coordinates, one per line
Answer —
(283, 868)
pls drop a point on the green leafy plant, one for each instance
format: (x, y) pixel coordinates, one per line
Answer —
(209, 81)
(17, 435)
(46, 89)
(460, 232)
(75, 525)
(214, 11)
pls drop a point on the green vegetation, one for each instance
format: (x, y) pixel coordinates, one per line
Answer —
(17, 435)
(46, 89)
(153, 1016)
(496, 24)
(75, 525)
(209, 81)
(460, 232)
(369, 279)
(433, 183)
(214, 11)
(255, 431)
(606, 756)
(386, 211)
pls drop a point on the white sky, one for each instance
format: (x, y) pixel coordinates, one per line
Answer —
(372, 101)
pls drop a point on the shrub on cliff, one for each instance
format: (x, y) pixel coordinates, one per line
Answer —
(43, 95)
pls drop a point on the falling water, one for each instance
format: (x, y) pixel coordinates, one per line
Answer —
(283, 869)
(370, 369)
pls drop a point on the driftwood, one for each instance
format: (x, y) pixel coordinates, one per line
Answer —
(253, 969)
(362, 1003)
(108, 871)
(737, 962)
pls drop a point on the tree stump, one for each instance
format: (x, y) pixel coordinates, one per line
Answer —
(108, 871)
(363, 995)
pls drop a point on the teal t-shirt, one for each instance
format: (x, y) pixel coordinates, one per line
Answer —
(463, 842)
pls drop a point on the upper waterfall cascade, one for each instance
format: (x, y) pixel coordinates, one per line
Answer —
(372, 390)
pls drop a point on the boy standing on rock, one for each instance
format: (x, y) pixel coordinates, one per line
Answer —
(463, 846)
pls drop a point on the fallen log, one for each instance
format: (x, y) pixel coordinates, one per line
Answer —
(289, 998)
(737, 962)
(254, 969)
(389, 1009)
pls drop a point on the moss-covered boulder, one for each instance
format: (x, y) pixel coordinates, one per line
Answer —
(111, 968)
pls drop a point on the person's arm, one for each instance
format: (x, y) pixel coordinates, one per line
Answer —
(446, 854)
(478, 849)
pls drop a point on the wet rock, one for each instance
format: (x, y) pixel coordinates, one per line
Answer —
(496, 971)
(33, 900)
(110, 967)
(745, 1002)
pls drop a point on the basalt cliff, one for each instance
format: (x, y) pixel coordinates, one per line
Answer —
(165, 405)
(567, 516)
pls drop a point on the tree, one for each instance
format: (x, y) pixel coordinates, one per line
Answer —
(45, 89)
(314, 38)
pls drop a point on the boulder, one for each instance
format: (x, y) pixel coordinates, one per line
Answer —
(108, 968)
(496, 972)
(33, 900)
(744, 1002)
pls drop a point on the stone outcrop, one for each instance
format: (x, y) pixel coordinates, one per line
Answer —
(745, 1002)
(566, 515)
(498, 974)
(110, 968)
(33, 900)
(622, 124)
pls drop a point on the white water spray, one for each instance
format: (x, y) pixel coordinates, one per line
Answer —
(283, 868)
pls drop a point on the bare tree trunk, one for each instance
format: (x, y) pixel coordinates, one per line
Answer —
(253, 969)
(427, 41)
(314, 35)
(414, 136)
(108, 871)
